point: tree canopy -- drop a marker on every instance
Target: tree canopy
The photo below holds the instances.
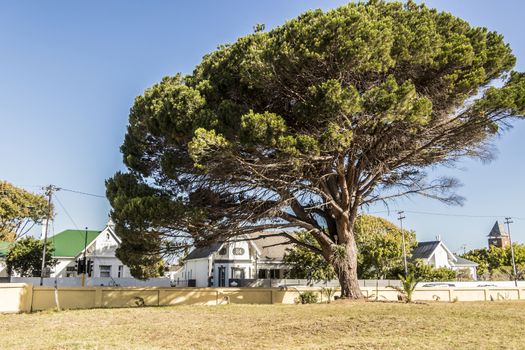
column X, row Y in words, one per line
column 25, row 257
column 301, row 126
column 20, row 210
column 495, row 263
column 306, row 264
column 379, row 245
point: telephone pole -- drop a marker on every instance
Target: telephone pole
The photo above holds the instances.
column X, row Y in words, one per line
column 400, row 218
column 508, row 221
column 49, row 190
column 84, row 258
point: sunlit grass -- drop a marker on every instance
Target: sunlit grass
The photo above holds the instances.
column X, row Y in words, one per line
column 496, row 325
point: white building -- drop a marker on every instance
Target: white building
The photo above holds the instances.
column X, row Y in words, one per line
column 234, row 262
column 100, row 253
column 436, row 253
column 69, row 250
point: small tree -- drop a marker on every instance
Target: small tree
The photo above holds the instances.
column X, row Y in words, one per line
column 408, row 285
column 25, row 257
column 20, row 210
column 425, row 272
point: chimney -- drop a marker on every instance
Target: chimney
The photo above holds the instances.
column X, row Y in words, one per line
column 111, row 224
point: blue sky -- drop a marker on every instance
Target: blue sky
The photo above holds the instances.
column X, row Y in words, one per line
column 69, row 72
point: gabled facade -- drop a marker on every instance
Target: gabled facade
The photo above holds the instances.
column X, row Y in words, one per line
column 69, row 248
column 437, row 254
column 233, row 262
column 100, row 253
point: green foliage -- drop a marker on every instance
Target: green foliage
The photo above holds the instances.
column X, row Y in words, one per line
column 139, row 213
column 380, row 247
column 424, row 272
column 306, row 264
column 380, row 252
column 25, row 257
column 408, row 285
column 496, row 263
column 307, row 297
column 19, row 211
column 300, row 126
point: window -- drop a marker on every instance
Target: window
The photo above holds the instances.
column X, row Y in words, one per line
column 238, row 251
column 71, row 271
column 237, row 273
column 120, row 271
column 105, row 270
column 262, row 273
column 222, row 251
column 275, row 273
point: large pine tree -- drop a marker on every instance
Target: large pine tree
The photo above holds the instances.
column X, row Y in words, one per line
column 301, row 126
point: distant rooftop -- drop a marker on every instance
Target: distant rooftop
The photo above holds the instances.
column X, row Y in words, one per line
column 424, row 249
column 464, row 262
column 70, row 243
column 272, row 247
column 204, row 252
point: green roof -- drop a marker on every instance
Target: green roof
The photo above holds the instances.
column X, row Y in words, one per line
column 4, row 248
column 71, row 242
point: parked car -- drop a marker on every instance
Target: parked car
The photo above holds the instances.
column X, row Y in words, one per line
column 486, row 285
column 438, row 285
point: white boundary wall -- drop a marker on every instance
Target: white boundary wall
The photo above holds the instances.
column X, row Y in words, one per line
column 95, row 282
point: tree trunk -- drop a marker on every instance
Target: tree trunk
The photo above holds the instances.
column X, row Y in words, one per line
column 346, row 269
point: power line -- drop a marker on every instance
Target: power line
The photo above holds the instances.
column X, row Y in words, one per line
column 67, row 213
column 58, row 188
column 83, row 193
column 450, row 215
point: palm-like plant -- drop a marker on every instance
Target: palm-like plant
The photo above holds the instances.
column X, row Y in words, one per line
column 408, row 285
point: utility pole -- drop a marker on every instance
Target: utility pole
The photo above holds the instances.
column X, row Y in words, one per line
column 84, row 258
column 508, row 221
column 49, row 190
column 400, row 218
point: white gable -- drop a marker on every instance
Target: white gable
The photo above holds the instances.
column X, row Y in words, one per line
column 104, row 244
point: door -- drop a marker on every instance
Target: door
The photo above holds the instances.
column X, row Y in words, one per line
column 222, row 276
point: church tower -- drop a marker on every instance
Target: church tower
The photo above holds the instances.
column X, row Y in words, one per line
column 498, row 237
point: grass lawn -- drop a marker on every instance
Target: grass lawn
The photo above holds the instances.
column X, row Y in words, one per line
column 362, row 325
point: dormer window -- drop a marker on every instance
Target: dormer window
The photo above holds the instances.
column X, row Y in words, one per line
column 222, row 251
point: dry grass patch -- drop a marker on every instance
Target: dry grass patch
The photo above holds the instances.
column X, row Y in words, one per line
column 370, row 325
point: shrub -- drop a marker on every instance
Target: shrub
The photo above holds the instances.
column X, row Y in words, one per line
column 307, row 297
column 328, row 292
